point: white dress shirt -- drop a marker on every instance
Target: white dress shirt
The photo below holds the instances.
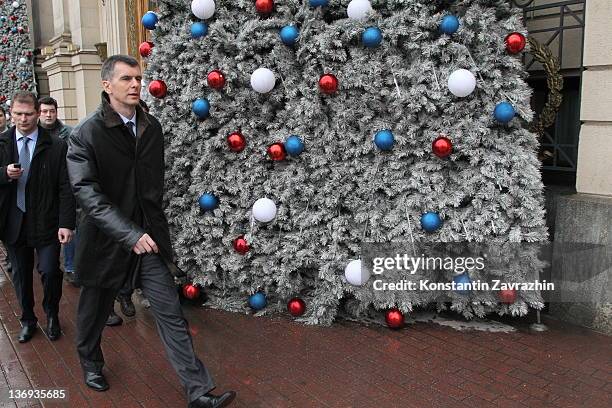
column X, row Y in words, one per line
column 31, row 144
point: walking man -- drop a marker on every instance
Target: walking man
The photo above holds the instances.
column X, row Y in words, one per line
column 48, row 120
column 37, row 210
column 116, row 167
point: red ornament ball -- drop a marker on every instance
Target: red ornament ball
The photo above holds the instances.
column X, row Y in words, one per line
column 507, row 296
column 236, row 142
column 2, row 58
column 296, row 307
column 2, row 98
column 264, row 6
column 190, row 291
column 241, row 245
column 158, row 88
column 20, row 30
column 13, row 18
column 442, row 147
column 394, row 318
column 216, row 79
column 145, row 49
column 276, row 151
column 328, row 84
column 515, row 43
column 5, row 39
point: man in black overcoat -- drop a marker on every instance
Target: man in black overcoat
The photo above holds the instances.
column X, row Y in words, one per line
column 116, row 167
column 37, row 210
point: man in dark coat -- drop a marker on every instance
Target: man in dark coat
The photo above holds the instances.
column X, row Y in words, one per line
column 37, row 210
column 49, row 120
column 116, row 167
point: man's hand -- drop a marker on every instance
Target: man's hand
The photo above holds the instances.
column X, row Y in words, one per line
column 13, row 172
column 145, row 245
column 64, row 235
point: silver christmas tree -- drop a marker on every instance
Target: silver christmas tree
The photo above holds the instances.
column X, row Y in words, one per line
column 367, row 173
column 16, row 54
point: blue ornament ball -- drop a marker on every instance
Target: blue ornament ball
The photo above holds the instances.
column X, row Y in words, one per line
column 149, row 20
column 14, row 30
column 384, row 140
column 257, row 301
column 201, row 107
column 208, row 201
column 289, row 34
column 461, row 282
column 449, row 24
column 431, row 221
column 504, row 112
column 199, row 29
column 319, row 3
column 371, row 37
column 294, row 145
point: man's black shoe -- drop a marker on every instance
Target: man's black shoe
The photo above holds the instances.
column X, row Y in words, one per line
column 113, row 319
column 54, row 331
column 213, row 401
column 127, row 306
column 96, row 381
column 26, row 333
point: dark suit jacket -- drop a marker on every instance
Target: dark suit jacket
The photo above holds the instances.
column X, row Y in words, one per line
column 50, row 204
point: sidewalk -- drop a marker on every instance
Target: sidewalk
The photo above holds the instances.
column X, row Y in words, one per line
column 273, row 362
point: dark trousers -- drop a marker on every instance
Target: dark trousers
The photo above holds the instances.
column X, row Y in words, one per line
column 126, row 290
column 22, row 261
column 158, row 286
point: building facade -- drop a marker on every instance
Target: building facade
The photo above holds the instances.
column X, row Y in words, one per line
column 72, row 37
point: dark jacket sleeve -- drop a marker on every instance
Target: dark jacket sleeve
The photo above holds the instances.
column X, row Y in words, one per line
column 4, row 178
column 4, row 159
column 67, row 216
column 86, row 186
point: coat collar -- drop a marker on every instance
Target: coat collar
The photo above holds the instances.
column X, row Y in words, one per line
column 57, row 125
column 112, row 119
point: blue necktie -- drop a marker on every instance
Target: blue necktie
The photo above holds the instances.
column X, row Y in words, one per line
column 24, row 160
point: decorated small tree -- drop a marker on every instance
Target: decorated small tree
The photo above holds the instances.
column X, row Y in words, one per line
column 16, row 56
column 298, row 130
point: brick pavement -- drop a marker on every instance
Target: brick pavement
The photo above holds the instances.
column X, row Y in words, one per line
column 273, row 362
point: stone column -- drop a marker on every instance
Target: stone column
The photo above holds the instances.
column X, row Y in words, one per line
column 113, row 26
column 86, row 63
column 594, row 174
column 582, row 250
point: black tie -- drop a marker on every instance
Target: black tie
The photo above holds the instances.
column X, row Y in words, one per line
column 130, row 126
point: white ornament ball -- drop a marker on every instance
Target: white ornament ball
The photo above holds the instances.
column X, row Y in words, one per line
column 461, row 83
column 355, row 274
column 264, row 210
column 358, row 9
column 263, row 80
column 15, row 4
column 22, row 60
column 203, row 9
column 8, row 102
